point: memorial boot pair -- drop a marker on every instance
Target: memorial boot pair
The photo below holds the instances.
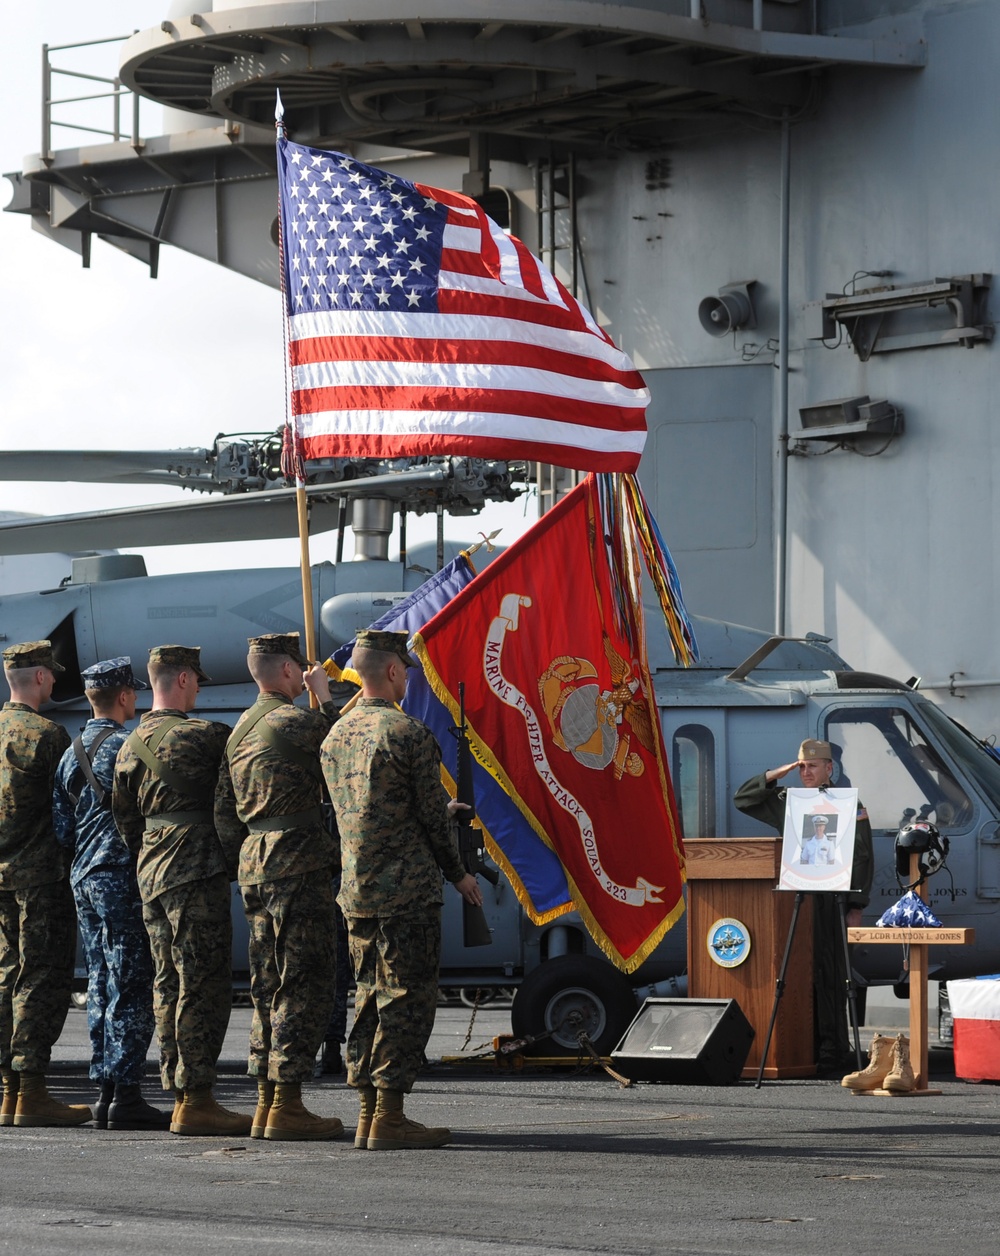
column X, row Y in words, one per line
column 37, row 1109
column 390, row 1130
column 888, row 1067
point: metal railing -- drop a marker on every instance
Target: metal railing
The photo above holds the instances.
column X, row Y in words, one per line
column 114, row 94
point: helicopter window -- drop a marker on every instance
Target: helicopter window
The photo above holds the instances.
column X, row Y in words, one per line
column 981, row 766
column 895, row 769
column 693, row 766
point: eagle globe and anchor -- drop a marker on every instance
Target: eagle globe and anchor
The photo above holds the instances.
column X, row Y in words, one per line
column 599, row 724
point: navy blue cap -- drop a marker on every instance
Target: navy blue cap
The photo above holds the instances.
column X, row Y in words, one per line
column 112, row 674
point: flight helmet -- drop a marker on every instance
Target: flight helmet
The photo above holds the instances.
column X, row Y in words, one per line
column 922, row 837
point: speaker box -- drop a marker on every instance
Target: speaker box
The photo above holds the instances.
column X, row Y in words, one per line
column 685, row 1041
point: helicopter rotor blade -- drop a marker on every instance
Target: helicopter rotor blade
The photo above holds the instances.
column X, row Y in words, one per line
column 260, row 516
column 109, row 466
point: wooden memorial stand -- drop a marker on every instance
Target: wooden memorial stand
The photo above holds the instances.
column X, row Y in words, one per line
column 919, row 941
column 734, row 878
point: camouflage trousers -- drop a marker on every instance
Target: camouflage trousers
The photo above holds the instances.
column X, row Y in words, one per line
column 120, row 968
column 293, row 946
column 191, row 936
column 395, row 962
column 37, row 947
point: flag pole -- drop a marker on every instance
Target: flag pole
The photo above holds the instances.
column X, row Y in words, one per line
column 292, row 463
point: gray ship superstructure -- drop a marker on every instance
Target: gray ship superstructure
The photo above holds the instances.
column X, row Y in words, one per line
column 783, row 211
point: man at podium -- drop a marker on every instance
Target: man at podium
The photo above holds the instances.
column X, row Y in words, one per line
column 761, row 798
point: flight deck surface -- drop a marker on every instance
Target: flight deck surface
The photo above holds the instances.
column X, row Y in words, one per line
column 541, row 1163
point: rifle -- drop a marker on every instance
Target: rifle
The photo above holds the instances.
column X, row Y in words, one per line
column 475, row 930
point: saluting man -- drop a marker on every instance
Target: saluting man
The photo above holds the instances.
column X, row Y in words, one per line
column 165, row 781
column 762, row 798
column 108, row 907
column 271, row 789
column 37, row 920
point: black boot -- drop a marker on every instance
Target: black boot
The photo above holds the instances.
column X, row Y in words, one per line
column 100, row 1108
column 332, row 1062
column 129, row 1111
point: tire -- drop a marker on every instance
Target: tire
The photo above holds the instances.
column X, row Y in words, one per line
column 486, row 994
column 569, row 995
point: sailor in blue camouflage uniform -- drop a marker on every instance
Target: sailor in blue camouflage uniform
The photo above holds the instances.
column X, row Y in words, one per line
column 108, row 907
column 37, row 920
column 271, row 786
column 383, row 770
column 165, row 781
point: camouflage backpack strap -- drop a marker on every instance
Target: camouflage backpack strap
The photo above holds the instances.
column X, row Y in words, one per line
column 146, row 751
column 280, row 745
column 85, row 758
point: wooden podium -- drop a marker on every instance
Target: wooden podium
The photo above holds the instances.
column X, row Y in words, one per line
column 733, row 878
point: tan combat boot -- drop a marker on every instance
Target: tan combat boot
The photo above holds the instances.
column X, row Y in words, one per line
column 873, row 1075
column 37, row 1108
column 200, row 1114
column 900, row 1079
column 367, row 1098
column 392, row 1131
column 290, row 1121
column 11, row 1084
column 265, row 1097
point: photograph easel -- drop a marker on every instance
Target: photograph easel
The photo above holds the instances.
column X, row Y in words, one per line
column 852, row 1000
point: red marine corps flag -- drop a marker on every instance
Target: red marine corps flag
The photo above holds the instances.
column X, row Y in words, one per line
column 549, row 642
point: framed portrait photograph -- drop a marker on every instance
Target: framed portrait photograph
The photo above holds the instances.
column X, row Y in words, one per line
column 817, row 849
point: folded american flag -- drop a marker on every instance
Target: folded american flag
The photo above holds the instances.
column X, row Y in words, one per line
column 417, row 326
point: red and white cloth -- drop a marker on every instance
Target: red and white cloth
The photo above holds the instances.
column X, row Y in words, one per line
column 975, row 1010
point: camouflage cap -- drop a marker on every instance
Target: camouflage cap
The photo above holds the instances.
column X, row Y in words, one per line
column 31, row 654
column 188, row 656
column 811, row 749
column 112, row 674
column 386, row 642
column 279, row 643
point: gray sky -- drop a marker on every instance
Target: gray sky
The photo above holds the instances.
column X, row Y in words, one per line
column 107, row 358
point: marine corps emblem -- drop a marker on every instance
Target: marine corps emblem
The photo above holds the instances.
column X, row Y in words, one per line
column 593, row 722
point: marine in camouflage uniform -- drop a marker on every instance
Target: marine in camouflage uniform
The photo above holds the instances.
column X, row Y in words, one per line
column 761, row 798
column 37, row 920
column 109, row 910
column 271, row 788
column 383, row 770
column 183, row 872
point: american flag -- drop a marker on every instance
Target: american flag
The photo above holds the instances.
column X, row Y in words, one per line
column 417, row 326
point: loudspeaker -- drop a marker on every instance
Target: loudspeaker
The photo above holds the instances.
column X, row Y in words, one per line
column 685, row 1041
column 731, row 310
